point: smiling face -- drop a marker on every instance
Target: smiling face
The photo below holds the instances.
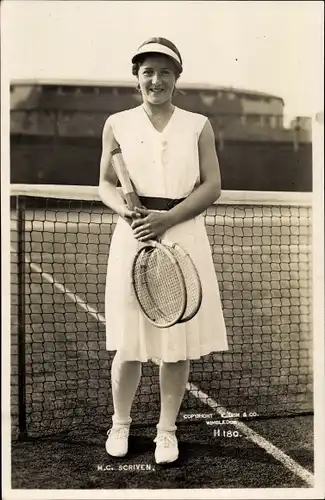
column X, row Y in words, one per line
column 157, row 79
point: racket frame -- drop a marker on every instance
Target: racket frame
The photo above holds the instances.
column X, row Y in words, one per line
column 178, row 248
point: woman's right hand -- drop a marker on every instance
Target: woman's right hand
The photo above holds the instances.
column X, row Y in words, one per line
column 128, row 215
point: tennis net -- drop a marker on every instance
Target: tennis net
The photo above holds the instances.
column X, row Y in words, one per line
column 60, row 238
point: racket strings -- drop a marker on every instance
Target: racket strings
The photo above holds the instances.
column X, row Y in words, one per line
column 159, row 286
column 155, row 289
column 164, row 283
column 140, row 284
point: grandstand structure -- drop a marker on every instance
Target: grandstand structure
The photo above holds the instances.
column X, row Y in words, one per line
column 56, row 132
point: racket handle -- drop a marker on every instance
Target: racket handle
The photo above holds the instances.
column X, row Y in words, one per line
column 131, row 197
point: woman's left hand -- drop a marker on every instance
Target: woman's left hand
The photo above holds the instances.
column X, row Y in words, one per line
column 151, row 224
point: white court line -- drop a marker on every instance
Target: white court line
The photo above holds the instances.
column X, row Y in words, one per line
column 270, row 448
column 64, row 289
column 256, row 438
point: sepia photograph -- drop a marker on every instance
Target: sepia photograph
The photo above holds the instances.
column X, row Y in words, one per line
column 162, row 249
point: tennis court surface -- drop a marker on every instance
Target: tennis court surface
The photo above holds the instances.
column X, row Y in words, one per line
column 247, row 417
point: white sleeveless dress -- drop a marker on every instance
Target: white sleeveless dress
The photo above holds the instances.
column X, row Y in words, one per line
column 161, row 164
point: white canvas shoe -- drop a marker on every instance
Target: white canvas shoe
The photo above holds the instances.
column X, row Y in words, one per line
column 166, row 448
column 117, row 441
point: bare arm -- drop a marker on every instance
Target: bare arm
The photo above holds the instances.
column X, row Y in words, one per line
column 108, row 192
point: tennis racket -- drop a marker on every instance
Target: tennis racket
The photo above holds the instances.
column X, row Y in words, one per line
column 159, row 284
column 164, row 278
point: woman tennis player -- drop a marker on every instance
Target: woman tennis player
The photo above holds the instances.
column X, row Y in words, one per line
column 171, row 159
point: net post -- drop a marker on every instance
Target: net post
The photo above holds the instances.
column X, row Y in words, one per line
column 20, row 211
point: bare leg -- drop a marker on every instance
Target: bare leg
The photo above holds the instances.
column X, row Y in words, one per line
column 125, row 380
column 173, row 379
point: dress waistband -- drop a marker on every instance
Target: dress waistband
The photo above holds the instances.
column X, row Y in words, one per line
column 152, row 203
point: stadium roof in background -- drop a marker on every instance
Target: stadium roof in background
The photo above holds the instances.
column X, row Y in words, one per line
column 124, row 83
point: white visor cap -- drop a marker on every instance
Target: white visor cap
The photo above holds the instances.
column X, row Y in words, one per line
column 160, row 49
